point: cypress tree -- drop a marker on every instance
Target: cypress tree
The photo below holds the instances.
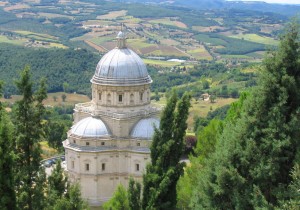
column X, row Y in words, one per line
column 7, row 192
column 57, row 181
column 72, row 200
column 162, row 174
column 119, row 201
column 57, row 185
column 134, row 195
column 29, row 131
column 255, row 155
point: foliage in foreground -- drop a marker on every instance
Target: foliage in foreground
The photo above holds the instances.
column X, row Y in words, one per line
column 23, row 183
column 162, row 174
column 7, row 187
column 258, row 151
column 29, row 131
column 119, row 201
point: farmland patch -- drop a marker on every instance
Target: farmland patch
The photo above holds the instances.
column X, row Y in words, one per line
column 16, row 41
column 208, row 29
column 256, row 38
column 169, row 21
column 112, row 15
column 200, row 53
column 16, row 7
column 53, row 15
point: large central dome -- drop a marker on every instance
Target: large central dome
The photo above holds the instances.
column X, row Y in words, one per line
column 121, row 67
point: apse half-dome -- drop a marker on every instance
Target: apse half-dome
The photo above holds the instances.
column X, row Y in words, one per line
column 145, row 128
column 121, row 67
column 90, row 127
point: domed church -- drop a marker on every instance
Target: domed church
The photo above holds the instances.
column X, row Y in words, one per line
column 110, row 139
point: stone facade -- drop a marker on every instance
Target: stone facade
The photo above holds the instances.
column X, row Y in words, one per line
column 111, row 136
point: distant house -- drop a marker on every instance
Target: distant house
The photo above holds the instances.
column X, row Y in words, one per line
column 205, row 96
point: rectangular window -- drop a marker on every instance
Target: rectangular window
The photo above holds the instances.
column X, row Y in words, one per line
column 141, row 96
column 87, row 143
column 100, row 94
column 138, row 144
column 72, row 164
column 137, row 167
column 103, row 166
column 87, row 167
column 102, row 143
column 74, row 141
column 120, row 98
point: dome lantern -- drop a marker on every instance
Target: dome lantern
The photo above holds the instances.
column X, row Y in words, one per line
column 121, row 40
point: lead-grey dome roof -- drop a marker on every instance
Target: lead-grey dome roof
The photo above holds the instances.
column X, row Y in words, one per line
column 90, row 127
column 145, row 128
column 121, row 67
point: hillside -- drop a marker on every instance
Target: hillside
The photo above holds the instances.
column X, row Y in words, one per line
column 217, row 30
column 63, row 41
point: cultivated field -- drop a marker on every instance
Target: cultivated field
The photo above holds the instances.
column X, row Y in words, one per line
column 199, row 108
column 37, row 36
column 16, row 41
column 257, row 38
column 160, row 63
column 200, row 53
column 112, row 15
column 70, row 100
column 16, row 7
column 168, row 21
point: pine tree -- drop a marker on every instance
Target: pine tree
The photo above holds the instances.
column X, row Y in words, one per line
column 134, row 195
column 162, row 174
column 255, row 155
column 291, row 199
column 29, row 131
column 7, row 193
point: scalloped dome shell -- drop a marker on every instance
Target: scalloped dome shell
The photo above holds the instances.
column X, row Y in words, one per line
column 121, row 67
column 145, row 128
column 90, row 127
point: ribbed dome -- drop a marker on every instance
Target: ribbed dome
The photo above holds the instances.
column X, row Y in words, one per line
column 145, row 128
column 90, row 127
column 121, row 67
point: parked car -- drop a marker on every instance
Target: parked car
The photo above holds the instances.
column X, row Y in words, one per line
column 62, row 158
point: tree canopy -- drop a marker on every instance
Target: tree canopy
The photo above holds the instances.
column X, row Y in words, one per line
column 162, row 174
column 256, row 154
